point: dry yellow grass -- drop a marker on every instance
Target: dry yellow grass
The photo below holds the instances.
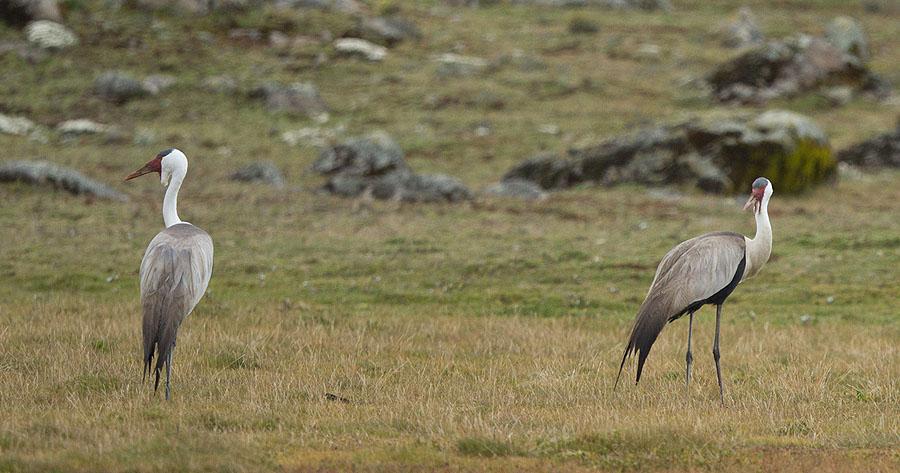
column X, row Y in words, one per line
column 494, row 351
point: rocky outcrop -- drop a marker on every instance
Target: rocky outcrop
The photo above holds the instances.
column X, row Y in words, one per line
column 796, row 65
column 375, row 165
column 43, row 173
column 877, row 152
column 713, row 153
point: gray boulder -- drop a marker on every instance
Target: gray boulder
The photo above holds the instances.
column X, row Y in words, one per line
column 715, row 153
column 118, row 87
column 48, row 174
column 847, row 35
column 375, row 165
column 264, row 172
column 22, row 12
column 299, row 98
column 373, row 155
column 877, row 152
column 787, row 68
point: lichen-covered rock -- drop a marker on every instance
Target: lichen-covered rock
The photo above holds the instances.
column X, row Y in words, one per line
column 375, row 165
column 787, row 68
column 118, row 87
column 50, row 35
column 715, row 153
column 360, row 48
column 877, row 152
column 299, row 98
column 15, row 125
column 82, row 126
column 49, row 174
column 265, row 172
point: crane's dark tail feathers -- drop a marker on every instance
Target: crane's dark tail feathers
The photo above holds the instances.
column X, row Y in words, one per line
column 648, row 324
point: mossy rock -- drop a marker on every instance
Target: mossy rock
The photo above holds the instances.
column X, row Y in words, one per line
column 788, row 148
column 792, row 170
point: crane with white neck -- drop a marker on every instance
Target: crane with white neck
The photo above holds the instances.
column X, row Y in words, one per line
column 175, row 270
column 702, row 270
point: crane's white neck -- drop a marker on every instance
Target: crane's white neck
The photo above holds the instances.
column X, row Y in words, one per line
column 760, row 247
column 174, row 170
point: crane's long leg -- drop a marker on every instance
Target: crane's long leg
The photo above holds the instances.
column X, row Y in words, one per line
column 689, row 359
column 716, row 353
column 169, row 371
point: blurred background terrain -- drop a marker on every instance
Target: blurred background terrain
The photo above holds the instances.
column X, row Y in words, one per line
column 446, row 214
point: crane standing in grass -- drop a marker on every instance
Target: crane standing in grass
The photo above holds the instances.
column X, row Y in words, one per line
column 175, row 270
column 702, row 270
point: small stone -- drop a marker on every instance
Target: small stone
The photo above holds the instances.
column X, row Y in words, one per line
column 838, row 96
column 387, row 31
column 806, row 319
column 829, row 300
column 82, row 126
column 313, row 136
column 548, row 129
column 360, row 48
column 15, row 125
column 265, row 172
column 118, row 87
column 299, row 98
column 50, row 35
column 157, row 83
column 455, row 65
column 581, row 25
column 222, row 84
column 648, row 52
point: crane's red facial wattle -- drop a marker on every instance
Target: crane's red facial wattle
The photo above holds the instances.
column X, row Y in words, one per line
column 756, row 197
column 155, row 165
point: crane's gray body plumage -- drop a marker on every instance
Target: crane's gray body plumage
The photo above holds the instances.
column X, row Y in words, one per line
column 175, row 272
column 702, row 270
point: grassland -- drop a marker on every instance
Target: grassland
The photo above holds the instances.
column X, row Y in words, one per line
column 482, row 336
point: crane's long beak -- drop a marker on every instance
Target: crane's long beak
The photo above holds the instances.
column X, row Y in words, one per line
column 753, row 203
column 148, row 168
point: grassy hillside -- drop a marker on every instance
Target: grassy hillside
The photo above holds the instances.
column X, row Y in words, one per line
column 480, row 336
